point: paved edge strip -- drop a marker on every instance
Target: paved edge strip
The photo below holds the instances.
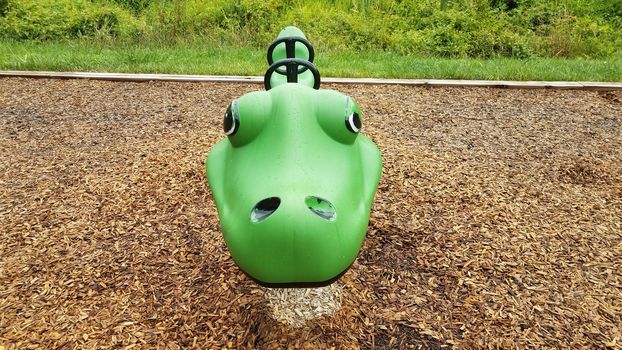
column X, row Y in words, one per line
column 508, row 84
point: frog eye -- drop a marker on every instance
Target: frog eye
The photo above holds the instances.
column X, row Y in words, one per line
column 231, row 122
column 335, row 110
column 353, row 122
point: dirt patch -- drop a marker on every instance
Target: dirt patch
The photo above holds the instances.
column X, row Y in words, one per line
column 497, row 223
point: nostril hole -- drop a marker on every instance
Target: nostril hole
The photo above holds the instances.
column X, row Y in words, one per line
column 321, row 207
column 265, row 208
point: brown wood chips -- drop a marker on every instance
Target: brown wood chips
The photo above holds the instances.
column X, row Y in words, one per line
column 497, row 223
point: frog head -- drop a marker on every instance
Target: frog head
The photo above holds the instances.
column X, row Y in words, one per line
column 294, row 182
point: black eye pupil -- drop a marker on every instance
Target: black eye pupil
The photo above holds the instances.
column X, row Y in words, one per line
column 353, row 122
column 230, row 123
column 357, row 120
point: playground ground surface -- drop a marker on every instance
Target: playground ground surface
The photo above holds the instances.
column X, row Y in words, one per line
column 497, row 222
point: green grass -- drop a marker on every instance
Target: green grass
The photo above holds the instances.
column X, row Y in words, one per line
column 183, row 58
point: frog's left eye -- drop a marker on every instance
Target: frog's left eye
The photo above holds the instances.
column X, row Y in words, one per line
column 353, row 122
column 231, row 123
column 339, row 116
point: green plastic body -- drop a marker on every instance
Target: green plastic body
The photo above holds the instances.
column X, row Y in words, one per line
column 292, row 143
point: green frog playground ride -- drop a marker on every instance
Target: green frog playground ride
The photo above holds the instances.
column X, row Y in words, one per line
column 294, row 180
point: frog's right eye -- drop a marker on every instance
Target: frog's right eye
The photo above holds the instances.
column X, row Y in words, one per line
column 231, row 123
column 246, row 117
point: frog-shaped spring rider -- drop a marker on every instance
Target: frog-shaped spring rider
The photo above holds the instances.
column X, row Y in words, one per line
column 294, row 180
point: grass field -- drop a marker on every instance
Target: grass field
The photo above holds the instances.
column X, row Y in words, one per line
column 84, row 55
column 475, row 39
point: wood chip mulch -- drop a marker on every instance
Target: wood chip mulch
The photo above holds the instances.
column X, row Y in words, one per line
column 497, row 223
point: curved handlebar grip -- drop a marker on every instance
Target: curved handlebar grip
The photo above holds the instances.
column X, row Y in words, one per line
column 292, row 66
column 290, row 50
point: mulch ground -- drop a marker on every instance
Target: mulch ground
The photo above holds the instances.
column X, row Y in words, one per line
column 497, row 223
